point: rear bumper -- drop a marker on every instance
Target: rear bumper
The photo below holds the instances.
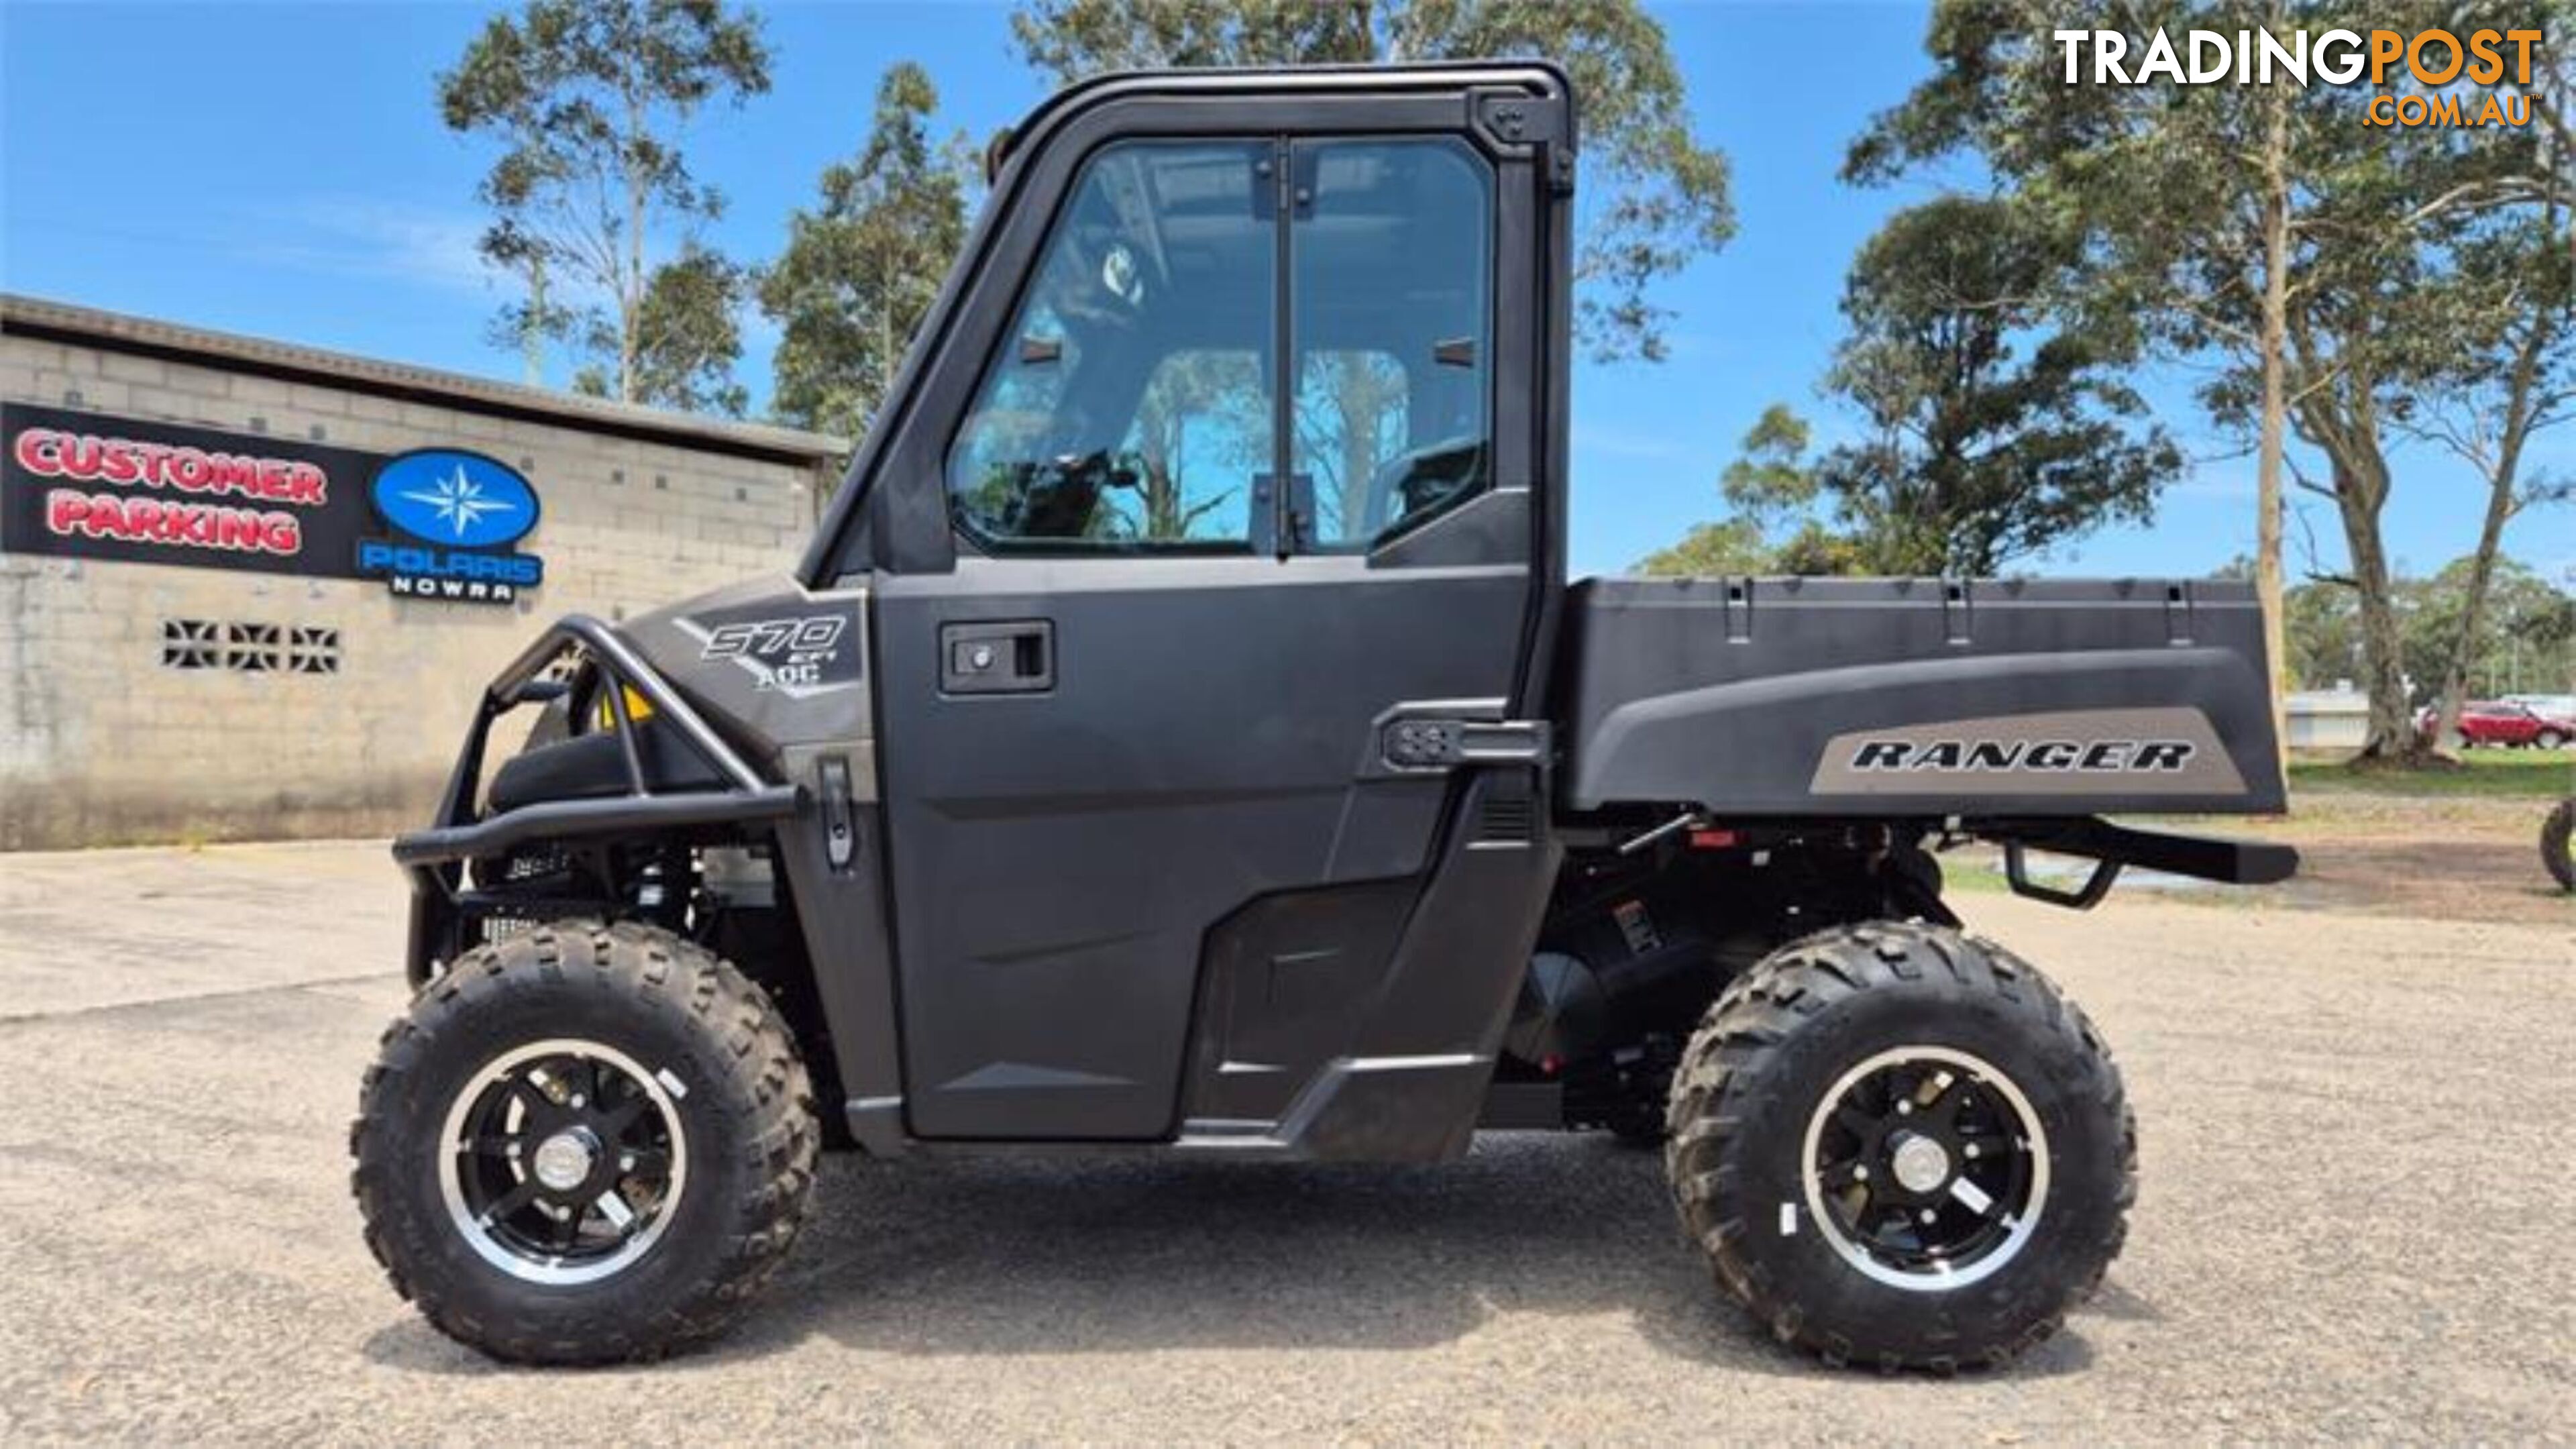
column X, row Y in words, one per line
column 2112, row 848
column 2229, row 862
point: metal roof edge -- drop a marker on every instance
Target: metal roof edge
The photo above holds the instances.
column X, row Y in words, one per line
column 123, row 332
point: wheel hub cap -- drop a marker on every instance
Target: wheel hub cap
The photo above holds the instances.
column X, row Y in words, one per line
column 1926, row 1168
column 563, row 1161
column 1920, row 1164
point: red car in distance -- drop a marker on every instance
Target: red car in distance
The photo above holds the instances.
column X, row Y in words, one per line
column 2494, row 722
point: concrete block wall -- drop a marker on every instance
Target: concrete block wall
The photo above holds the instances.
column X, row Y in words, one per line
column 102, row 744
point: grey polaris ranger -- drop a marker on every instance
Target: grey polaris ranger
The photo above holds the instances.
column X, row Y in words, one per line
column 1181, row 737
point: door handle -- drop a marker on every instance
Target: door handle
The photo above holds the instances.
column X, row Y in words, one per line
column 1015, row 656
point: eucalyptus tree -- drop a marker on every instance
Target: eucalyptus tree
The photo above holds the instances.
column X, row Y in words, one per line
column 1655, row 199
column 592, row 197
column 2266, row 225
column 861, row 269
column 1990, row 431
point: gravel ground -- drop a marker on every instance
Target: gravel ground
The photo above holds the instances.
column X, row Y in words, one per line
column 2352, row 1224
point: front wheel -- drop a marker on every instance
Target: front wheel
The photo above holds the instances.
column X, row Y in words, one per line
column 2550, row 740
column 584, row 1144
column 1901, row 1146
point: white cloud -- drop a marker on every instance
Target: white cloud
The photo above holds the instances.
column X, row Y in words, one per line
column 1606, row 441
column 2209, row 481
column 367, row 237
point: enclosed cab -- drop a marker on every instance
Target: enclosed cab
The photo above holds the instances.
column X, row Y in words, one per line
column 1181, row 738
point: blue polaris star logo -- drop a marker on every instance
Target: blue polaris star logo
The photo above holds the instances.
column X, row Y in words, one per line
column 451, row 517
column 455, row 499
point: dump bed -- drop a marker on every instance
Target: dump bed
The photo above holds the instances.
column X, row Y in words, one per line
column 1878, row 697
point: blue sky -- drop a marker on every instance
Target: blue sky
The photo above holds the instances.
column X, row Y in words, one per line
column 279, row 169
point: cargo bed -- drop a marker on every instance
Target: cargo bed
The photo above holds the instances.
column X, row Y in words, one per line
column 1919, row 697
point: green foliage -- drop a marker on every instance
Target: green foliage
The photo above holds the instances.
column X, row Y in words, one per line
column 2181, row 199
column 861, row 270
column 2522, row 642
column 2322, row 627
column 2525, row 639
column 1770, row 475
column 1741, row 546
column 1986, row 437
column 1662, row 198
column 588, row 98
column 687, row 335
column 1713, row 550
column 2496, row 774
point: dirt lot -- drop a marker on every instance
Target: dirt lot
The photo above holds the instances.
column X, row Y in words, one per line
column 2464, row 859
column 2355, row 1204
column 2476, row 859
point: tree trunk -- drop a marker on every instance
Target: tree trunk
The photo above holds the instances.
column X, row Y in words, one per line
column 630, row 319
column 2500, row 492
column 2525, row 403
column 532, row 328
column 631, row 307
column 2361, row 489
column 1356, row 399
column 2268, row 590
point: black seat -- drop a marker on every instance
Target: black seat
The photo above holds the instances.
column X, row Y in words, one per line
column 593, row 767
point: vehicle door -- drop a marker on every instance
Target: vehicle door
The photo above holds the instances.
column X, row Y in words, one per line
column 1229, row 501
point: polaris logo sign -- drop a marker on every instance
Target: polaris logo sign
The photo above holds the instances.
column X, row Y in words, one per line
column 2022, row 755
column 453, row 516
column 2114, row 754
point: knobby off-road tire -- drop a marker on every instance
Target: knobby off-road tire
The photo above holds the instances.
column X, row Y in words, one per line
column 1816, row 1068
column 2558, row 844
column 688, row 1076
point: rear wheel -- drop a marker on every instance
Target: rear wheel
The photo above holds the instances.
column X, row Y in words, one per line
column 2558, row 844
column 1900, row 1146
column 584, row 1144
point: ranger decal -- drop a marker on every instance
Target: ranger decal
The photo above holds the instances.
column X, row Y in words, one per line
column 2022, row 755
column 2111, row 753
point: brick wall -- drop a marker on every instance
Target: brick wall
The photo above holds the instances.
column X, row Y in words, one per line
column 102, row 743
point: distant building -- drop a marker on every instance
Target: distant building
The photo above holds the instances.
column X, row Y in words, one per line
column 252, row 589
column 2328, row 719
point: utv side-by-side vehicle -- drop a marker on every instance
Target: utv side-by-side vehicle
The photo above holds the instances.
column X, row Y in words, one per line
column 1181, row 738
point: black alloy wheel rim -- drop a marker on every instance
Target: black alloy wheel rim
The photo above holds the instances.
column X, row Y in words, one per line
column 562, row 1161
column 1926, row 1168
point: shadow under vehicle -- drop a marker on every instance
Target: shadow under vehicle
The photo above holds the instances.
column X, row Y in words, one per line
column 1182, row 738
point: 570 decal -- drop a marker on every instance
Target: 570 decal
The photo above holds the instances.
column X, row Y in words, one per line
column 796, row 654
column 768, row 638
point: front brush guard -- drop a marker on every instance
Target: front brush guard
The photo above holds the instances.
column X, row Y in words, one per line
column 435, row 858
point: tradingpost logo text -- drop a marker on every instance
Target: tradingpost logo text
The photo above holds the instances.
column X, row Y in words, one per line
column 2498, row 64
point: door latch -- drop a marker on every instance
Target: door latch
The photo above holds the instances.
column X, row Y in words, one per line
column 1413, row 744
column 840, row 824
column 1012, row 657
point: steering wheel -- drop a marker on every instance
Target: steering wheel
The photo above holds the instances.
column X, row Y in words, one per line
column 1063, row 493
